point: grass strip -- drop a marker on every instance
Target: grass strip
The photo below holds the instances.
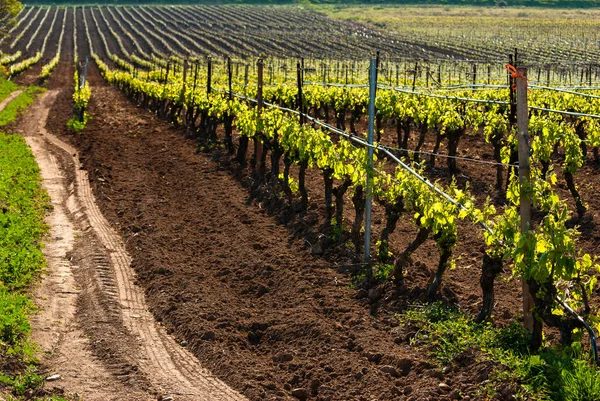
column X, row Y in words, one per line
column 454, row 341
column 23, row 206
column 6, row 88
column 18, row 105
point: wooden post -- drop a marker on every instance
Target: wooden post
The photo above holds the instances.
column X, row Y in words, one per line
column 525, row 201
column 183, row 87
column 369, row 194
column 246, row 67
column 167, row 73
column 415, row 76
column 346, row 68
column 489, row 74
column 570, row 76
column 230, row 76
column 474, row 75
column 258, row 145
column 454, row 71
column 259, row 91
column 208, row 75
column 196, row 75
column 513, row 108
column 300, row 102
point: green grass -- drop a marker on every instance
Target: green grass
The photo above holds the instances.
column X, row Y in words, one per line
column 76, row 124
column 23, row 205
column 22, row 208
column 6, row 88
column 18, row 105
column 528, row 4
column 557, row 373
column 493, row 29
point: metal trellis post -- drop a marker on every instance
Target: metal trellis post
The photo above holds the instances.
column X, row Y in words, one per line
column 369, row 189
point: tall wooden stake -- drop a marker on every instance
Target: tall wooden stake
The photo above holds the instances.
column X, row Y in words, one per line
column 209, row 76
column 183, row 87
column 513, row 109
column 230, row 77
column 415, row 76
column 196, row 76
column 258, row 145
column 525, row 206
column 369, row 192
column 300, row 100
column 246, row 67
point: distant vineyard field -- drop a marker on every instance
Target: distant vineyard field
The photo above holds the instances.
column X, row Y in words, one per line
column 487, row 3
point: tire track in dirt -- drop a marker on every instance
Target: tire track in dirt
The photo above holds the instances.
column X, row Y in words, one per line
column 55, row 329
column 169, row 368
column 10, row 98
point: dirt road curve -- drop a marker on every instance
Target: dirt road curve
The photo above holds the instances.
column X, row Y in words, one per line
column 89, row 285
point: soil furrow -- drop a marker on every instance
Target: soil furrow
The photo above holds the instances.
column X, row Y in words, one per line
column 151, row 350
column 233, row 286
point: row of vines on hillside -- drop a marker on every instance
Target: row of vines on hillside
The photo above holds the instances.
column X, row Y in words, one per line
column 282, row 138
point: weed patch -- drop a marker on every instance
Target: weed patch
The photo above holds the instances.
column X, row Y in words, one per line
column 554, row 373
column 23, row 205
column 18, row 105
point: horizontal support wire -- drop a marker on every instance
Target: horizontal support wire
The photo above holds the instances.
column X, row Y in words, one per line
column 463, row 99
column 569, row 113
column 363, row 142
column 550, row 88
column 423, row 179
column 421, row 152
column 336, row 84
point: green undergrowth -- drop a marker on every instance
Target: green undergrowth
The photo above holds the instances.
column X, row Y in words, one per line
column 451, row 339
column 6, row 88
column 19, row 104
column 23, row 205
column 76, row 124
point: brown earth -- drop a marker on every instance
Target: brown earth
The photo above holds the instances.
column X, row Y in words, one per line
column 93, row 326
column 234, row 279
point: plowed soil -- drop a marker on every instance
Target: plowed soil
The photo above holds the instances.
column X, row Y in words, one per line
column 240, row 281
column 238, row 287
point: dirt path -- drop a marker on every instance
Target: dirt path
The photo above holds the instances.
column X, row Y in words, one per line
column 245, row 296
column 89, row 286
column 229, row 277
column 9, row 99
